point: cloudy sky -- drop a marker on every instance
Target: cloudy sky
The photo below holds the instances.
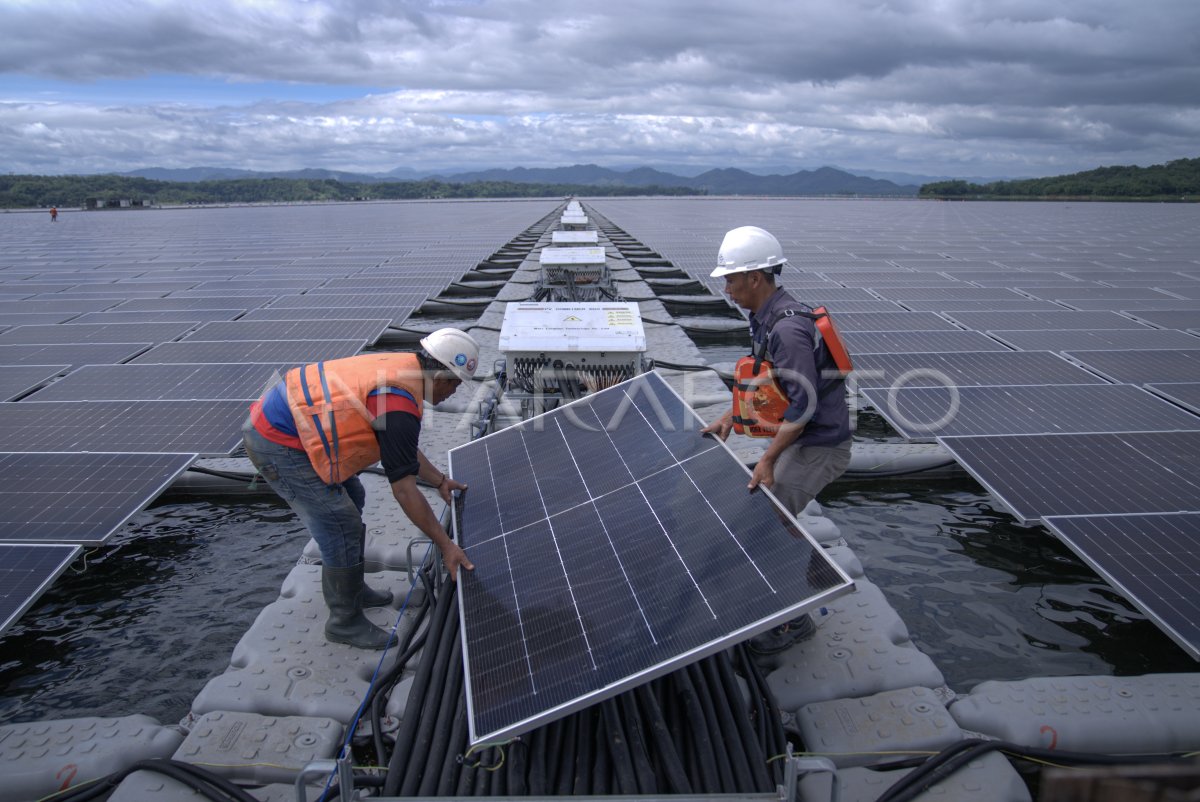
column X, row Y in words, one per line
column 932, row 87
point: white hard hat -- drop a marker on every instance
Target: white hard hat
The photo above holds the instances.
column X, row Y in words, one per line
column 748, row 248
column 455, row 349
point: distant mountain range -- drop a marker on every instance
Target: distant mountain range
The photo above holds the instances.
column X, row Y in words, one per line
column 727, row 181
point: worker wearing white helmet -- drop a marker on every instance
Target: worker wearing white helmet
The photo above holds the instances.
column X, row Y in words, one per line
column 312, row 433
column 798, row 400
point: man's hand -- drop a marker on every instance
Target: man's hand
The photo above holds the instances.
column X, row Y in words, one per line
column 764, row 474
column 446, row 489
column 721, row 427
column 453, row 556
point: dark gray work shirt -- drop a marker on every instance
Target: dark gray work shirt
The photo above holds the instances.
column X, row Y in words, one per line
column 801, row 363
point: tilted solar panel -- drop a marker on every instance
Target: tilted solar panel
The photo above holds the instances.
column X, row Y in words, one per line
column 967, row 368
column 208, row 428
column 26, row 571
column 1035, row 476
column 1142, row 367
column 177, row 381
column 78, row 497
column 289, row 352
column 1152, row 560
column 922, row 413
column 1096, row 339
column 638, row 550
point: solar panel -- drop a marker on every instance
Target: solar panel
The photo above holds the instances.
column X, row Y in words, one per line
column 342, row 329
column 208, row 428
column 639, row 551
column 1130, row 306
column 34, row 318
column 1142, row 367
column 17, row 380
column 892, row 321
column 26, row 571
column 961, row 293
column 158, row 316
column 966, row 368
column 1062, row 319
column 1152, row 560
column 1030, row 304
column 79, row 497
column 394, row 314
column 1171, row 319
column 96, row 333
column 192, row 302
column 913, row 342
column 1034, row 476
column 82, row 354
column 319, row 299
column 1097, row 339
column 922, row 413
column 1098, row 293
column 289, row 352
column 1186, row 394
column 182, row 382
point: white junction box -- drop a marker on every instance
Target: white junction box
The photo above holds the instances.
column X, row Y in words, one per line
column 574, row 238
column 585, row 265
column 571, row 348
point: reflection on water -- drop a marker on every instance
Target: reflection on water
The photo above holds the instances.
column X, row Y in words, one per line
column 149, row 618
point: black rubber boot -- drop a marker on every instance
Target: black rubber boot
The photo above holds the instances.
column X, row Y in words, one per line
column 371, row 596
column 343, row 590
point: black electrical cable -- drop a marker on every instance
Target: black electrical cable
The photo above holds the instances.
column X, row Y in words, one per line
column 431, row 698
column 756, row 758
column 454, row 750
column 635, row 736
column 400, row 758
column 743, row 776
column 585, row 745
column 669, row 764
column 724, row 767
column 564, row 773
column 602, row 780
column 432, row 774
column 233, row 475
column 709, row 779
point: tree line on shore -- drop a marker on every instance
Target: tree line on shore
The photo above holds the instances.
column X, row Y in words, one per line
column 37, row 191
column 1175, row 180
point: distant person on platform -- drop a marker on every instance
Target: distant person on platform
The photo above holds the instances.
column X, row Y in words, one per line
column 810, row 443
column 53, row 214
column 312, row 433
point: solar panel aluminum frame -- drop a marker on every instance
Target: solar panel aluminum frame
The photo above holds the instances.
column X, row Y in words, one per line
column 67, row 552
column 661, row 668
column 1055, row 524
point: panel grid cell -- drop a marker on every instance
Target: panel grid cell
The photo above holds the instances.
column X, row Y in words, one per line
column 178, row 381
column 914, row 342
column 1096, row 339
column 967, row 368
column 289, row 352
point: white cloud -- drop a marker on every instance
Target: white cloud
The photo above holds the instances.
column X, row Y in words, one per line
column 952, row 86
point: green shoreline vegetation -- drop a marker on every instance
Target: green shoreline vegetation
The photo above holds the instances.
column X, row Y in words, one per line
column 1174, row 181
column 1177, row 180
column 38, row 191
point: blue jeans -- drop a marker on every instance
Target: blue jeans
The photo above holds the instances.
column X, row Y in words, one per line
column 332, row 513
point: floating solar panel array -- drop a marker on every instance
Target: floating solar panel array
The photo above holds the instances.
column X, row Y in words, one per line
column 1068, row 377
column 132, row 343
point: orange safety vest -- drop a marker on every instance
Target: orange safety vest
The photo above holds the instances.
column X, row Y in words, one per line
column 329, row 404
column 758, row 399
